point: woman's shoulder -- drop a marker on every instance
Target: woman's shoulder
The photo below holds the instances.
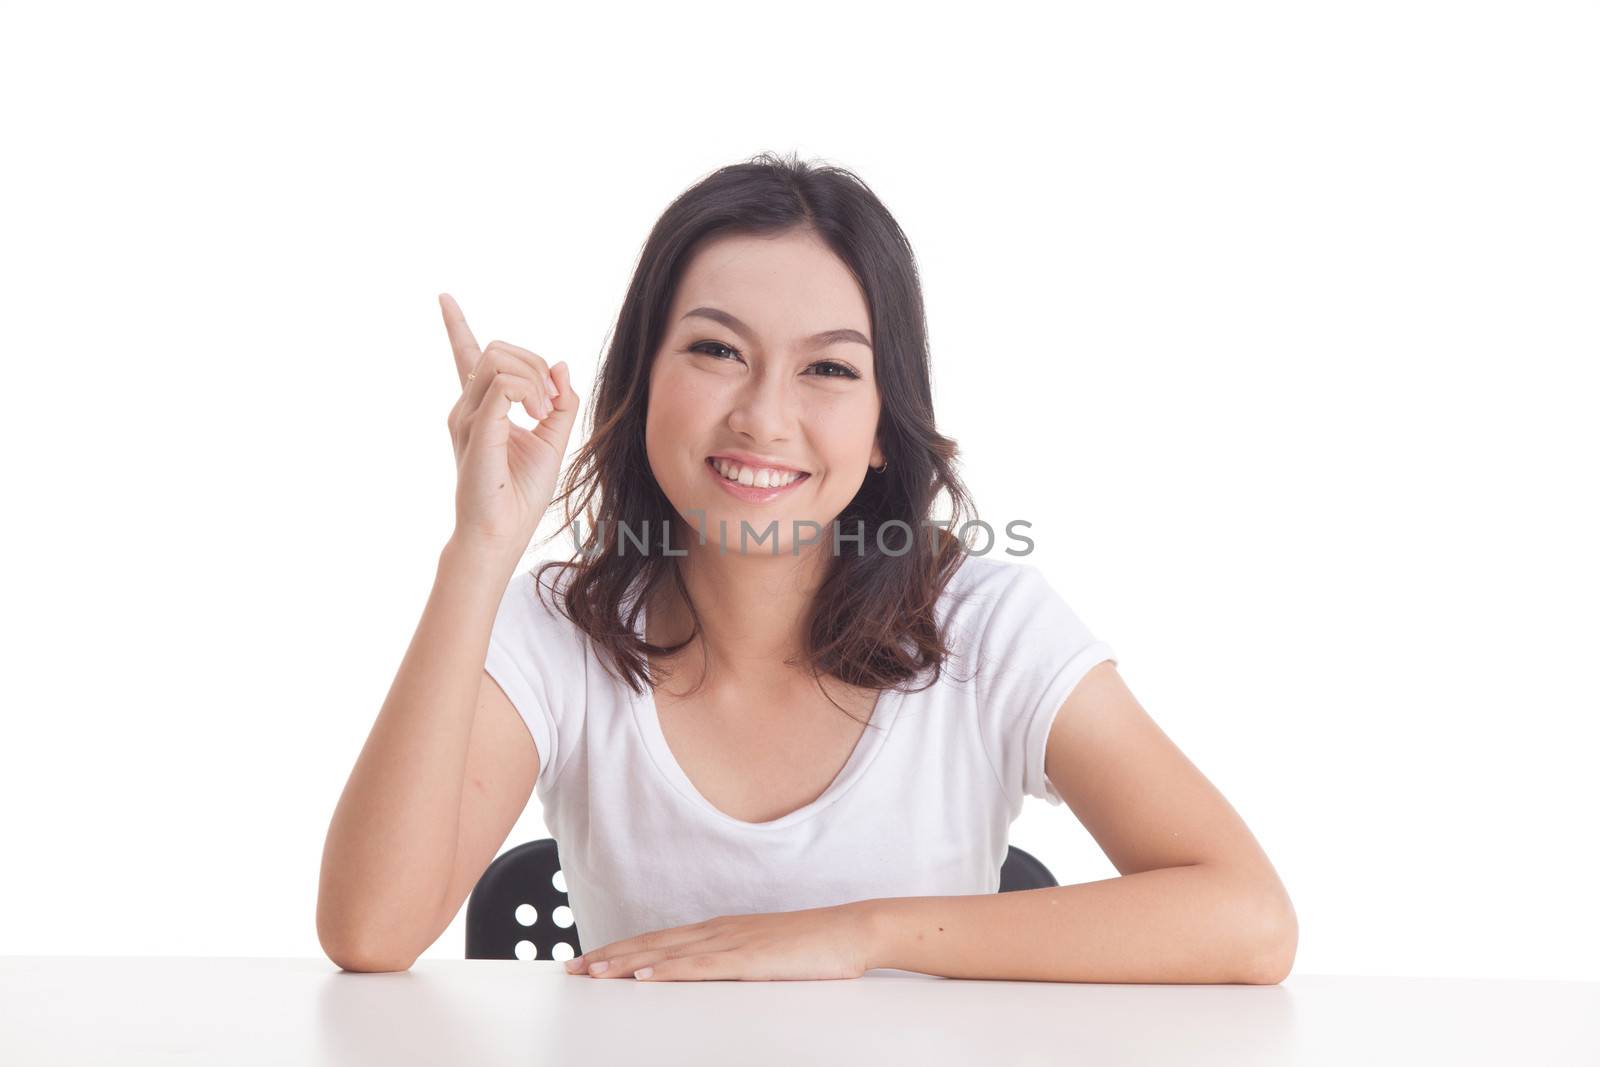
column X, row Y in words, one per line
column 979, row 583
column 997, row 601
column 533, row 608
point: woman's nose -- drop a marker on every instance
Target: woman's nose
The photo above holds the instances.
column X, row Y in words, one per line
column 764, row 408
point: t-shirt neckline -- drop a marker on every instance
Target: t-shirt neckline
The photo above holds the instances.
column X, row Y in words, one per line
column 648, row 719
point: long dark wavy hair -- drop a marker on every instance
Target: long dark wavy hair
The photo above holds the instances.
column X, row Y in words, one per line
column 872, row 620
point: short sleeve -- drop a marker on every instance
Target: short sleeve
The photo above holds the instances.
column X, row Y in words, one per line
column 538, row 658
column 1032, row 652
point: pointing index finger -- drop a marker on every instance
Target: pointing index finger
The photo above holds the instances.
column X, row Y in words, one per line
column 462, row 343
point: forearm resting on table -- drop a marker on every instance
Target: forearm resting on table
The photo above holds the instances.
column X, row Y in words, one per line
column 1193, row 924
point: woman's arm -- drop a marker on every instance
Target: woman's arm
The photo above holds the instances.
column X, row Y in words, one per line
column 394, row 867
column 390, row 850
column 1179, row 924
column 1198, row 900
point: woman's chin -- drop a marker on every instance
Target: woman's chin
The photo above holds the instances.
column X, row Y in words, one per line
column 755, row 530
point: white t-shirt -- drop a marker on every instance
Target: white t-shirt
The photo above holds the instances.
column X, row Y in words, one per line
column 921, row 808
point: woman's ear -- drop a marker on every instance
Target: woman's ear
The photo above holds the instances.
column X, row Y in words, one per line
column 876, row 459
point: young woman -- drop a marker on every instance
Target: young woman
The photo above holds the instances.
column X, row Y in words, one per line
column 778, row 718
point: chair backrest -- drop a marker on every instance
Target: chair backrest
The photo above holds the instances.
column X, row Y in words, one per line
column 519, row 909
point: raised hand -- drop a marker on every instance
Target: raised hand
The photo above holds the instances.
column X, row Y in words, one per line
column 505, row 475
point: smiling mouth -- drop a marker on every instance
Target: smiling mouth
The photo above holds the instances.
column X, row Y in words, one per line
column 754, row 477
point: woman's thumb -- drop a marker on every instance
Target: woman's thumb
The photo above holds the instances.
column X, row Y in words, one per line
column 563, row 407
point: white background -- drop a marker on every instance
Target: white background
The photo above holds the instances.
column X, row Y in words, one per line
column 1276, row 320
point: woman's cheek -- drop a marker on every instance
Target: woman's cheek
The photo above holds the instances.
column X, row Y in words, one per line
column 842, row 423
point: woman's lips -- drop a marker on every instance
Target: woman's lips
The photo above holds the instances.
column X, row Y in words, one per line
column 752, row 494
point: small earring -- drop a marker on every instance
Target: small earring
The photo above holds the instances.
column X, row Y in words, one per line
column 883, row 468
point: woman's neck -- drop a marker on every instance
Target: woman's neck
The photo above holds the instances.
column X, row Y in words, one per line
column 752, row 609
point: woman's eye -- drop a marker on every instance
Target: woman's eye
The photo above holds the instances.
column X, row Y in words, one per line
column 703, row 345
column 839, row 370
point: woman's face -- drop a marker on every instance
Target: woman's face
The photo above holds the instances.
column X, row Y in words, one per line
column 765, row 369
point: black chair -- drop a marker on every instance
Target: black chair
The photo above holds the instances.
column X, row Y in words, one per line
column 526, row 875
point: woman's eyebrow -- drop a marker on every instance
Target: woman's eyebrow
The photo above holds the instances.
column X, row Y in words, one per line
column 826, row 337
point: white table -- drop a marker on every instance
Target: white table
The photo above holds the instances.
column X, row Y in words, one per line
column 131, row 1010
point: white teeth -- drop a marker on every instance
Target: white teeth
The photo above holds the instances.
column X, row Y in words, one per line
column 755, row 477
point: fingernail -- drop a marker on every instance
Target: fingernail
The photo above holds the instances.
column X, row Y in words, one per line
column 644, row 972
column 599, row 968
column 575, row 965
column 550, row 387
